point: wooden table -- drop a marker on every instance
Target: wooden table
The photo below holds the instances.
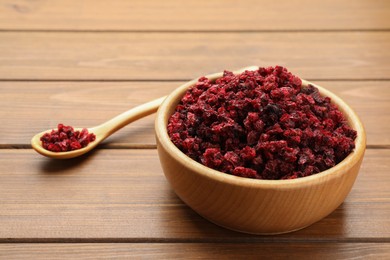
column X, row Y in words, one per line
column 83, row 62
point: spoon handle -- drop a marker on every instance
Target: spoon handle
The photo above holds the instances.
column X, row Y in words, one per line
column 111, row 126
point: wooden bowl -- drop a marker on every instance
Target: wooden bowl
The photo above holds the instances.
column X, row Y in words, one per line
column 251, row 205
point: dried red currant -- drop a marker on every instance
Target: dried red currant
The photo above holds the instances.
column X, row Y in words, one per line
column 65, row 138
column 260, row 124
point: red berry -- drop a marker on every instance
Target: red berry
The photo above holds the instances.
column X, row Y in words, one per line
column 66, row 139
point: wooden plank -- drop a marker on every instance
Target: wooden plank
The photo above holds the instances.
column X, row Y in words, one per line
column 198, row 251
column 194, row 15
column 130, row 56
column 27, row 108
column 122, row 196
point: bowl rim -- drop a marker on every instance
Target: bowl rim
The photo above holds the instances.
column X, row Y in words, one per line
column 350, row 161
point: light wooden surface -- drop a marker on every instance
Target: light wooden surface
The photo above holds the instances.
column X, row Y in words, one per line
column 198, row 250
column 83, row 62
column 208, row 15
column 184, row 56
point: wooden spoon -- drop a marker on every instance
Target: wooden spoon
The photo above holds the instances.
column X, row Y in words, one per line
column 101, row 131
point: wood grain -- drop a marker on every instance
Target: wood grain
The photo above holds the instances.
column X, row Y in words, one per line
column 122, row 196
column 197, row 251
column 194, row 15
column 167, row 56
column 118, row 198
column 27, row 108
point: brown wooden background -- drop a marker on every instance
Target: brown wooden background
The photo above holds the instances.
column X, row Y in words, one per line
column 83, row 62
